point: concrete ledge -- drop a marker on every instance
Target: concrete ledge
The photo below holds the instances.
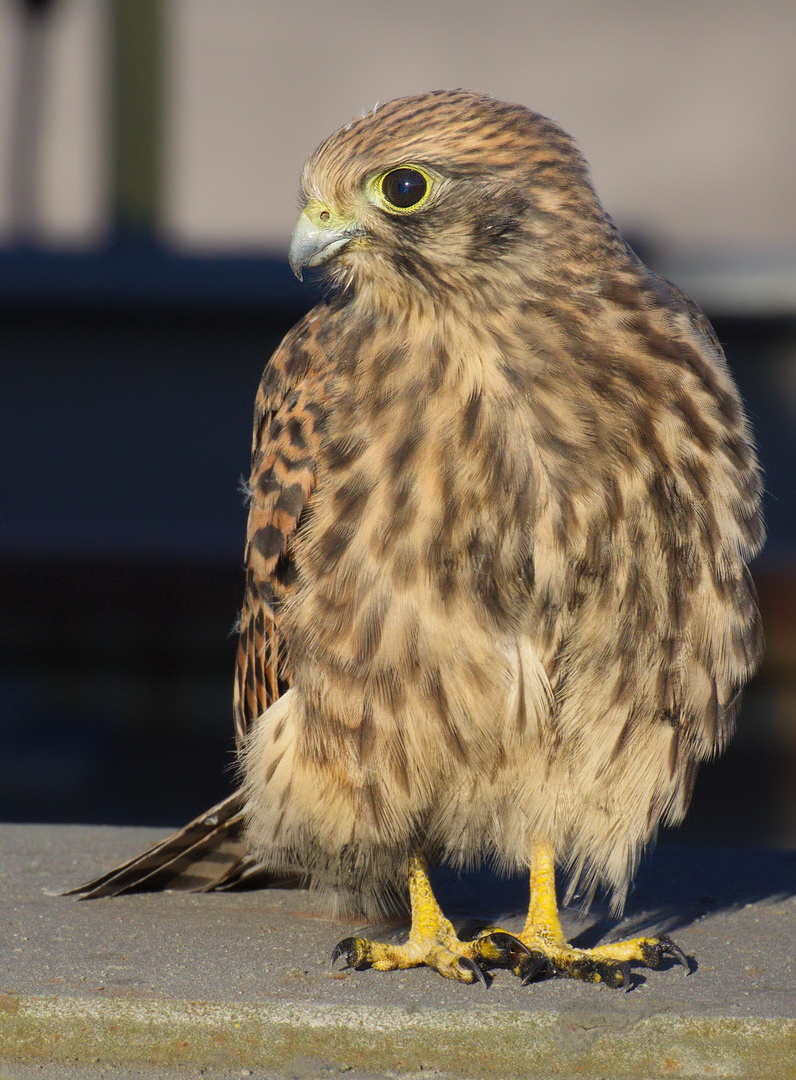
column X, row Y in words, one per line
column 486, row 1043
column 241, row 981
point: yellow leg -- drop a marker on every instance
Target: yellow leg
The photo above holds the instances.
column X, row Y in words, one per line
column 542, row 934
column 432, row 939
column 543, row 922
column 541, row 948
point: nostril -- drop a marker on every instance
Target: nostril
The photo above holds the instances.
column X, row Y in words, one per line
column 324, row 215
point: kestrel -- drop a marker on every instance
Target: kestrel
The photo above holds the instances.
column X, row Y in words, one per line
column 503, row 495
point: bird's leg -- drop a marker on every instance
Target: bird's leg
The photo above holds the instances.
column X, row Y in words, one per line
column 432, row 940
column 542, row 934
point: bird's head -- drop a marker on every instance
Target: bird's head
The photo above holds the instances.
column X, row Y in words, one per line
column 446, row 191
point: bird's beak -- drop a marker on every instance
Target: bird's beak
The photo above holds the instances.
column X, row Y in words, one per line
column 316, row 238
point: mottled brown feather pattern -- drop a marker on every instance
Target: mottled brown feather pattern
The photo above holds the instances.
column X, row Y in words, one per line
column 518, row 604
column 503, row 495
column 289, row 417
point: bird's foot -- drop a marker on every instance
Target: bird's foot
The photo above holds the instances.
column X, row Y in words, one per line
column 441, row 951
column 609, row 964
column 432, row 941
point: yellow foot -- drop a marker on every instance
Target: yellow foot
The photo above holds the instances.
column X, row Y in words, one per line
column 433, row 942
column 443, row 953
column 541, row 949
column 465, row 961
column 609, row 964
column 543, row 937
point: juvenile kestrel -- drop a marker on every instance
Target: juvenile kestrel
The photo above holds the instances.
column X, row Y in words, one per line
column 503, row 495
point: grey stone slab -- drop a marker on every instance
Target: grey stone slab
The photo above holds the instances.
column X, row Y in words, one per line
column 242, row 980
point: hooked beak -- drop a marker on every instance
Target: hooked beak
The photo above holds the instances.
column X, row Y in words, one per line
column 315, row 241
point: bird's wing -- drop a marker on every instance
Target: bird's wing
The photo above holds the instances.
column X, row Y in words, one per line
column 210, row 851
column 289, row 417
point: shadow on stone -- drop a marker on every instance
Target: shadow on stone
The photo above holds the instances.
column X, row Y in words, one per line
column 674, row 887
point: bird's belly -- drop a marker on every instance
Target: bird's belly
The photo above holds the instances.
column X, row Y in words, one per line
column 405, row 628
column 412, row 719
column 397, row 679
column 403, row 677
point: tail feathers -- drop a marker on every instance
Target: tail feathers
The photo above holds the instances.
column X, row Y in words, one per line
column 208, row 853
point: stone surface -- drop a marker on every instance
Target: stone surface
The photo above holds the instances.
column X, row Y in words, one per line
column 177, row 982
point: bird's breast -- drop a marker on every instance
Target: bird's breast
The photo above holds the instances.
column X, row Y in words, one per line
column 416, row 558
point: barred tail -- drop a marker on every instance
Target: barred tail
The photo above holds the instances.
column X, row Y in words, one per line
column 206, row 854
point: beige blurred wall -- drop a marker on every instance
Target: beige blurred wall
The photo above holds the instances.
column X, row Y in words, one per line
column 70, row 196
column 686, row 109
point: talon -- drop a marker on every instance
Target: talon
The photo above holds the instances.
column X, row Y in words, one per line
column 501, row 949
column 530, row 966
column 346, row 948
column 668, row 948
column 470, row 965
column 473, row 931
column 338, row 951
column 501, row 937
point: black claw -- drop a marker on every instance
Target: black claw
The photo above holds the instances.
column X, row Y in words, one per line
column 472, row 930
column 668, row 948
column 501, row 949
column 347, row 949
column 470, row 965
column 510, row 942
column 531, row 966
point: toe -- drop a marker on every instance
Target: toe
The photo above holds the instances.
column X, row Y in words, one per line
column 497, row 948
column 612, row 973
column 454, row 965
column 351, row 950
column 465, row 964
column 620, row 977
column 654, row 952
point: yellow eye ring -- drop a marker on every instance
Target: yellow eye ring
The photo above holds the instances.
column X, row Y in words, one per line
column 403, row 189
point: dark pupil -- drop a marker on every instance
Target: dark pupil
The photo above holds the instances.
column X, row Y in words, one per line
column 404, row 187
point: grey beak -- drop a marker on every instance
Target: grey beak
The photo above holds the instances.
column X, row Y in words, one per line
column 313, row 245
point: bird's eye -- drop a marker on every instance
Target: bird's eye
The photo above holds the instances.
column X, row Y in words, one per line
column 404, row 188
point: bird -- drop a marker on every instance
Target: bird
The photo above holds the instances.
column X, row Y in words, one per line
column 503, row 499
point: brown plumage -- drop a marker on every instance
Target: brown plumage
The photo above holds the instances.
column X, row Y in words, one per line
column 516, row 599
column 502, row 499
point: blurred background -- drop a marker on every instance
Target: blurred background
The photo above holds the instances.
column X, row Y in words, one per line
column 149, row 159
